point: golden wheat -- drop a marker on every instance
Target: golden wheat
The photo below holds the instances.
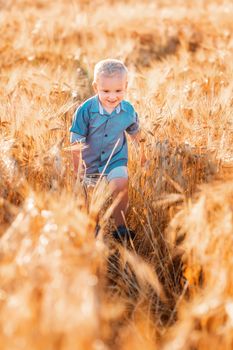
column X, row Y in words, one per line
column 171, row 288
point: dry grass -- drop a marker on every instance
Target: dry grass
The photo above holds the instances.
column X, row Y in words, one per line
column 62, row 289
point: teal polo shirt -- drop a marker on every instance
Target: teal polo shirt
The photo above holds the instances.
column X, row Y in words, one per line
column 103, row 134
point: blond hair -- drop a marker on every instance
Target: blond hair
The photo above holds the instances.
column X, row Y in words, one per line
column 109, row 67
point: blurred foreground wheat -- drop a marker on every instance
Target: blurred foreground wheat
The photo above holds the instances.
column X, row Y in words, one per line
column 171, row 288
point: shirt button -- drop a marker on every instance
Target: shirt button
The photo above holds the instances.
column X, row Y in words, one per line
column 106, row 135
column 102, row 152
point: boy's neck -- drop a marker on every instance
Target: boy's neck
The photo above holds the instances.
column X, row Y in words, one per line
column 109, row 110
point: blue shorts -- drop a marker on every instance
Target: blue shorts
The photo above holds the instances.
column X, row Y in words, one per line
column 118, row 172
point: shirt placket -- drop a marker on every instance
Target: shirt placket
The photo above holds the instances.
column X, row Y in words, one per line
column 105, row 152
column 103, row 143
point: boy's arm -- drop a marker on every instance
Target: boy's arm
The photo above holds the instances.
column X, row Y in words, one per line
column 137, row 137
column 79, row 131
column 139, row 140
column 77, row 144
column 77, row 159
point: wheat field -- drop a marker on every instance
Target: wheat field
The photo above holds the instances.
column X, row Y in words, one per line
column 171, row 288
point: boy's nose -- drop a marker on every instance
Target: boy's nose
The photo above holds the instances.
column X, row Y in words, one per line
column 112, row 97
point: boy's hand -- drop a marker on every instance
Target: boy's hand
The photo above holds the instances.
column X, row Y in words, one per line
column 143, row 159
column 139, row 141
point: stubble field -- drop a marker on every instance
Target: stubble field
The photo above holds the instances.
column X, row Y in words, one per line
column 172, row 288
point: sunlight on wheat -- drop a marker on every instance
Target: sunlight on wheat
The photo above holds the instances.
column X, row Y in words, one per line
column 171, row 287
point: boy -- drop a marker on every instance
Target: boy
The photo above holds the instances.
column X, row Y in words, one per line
column 100, row 123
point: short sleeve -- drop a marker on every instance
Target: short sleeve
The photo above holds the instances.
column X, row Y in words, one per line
column 80, row 124
column 77, row 138
column 134, row 127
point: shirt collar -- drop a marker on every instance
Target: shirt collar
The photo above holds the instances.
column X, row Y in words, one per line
column 101, row 110
column 95, row 104
column 123, row 106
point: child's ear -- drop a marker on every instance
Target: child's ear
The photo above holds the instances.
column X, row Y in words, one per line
column 94, row 85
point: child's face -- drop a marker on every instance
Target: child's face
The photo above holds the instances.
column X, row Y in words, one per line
column 111, row 90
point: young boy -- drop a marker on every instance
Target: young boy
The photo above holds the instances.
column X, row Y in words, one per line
column 100, row 123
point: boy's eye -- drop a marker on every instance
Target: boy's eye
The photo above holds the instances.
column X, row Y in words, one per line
column 106, row 91
column 118, row 90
